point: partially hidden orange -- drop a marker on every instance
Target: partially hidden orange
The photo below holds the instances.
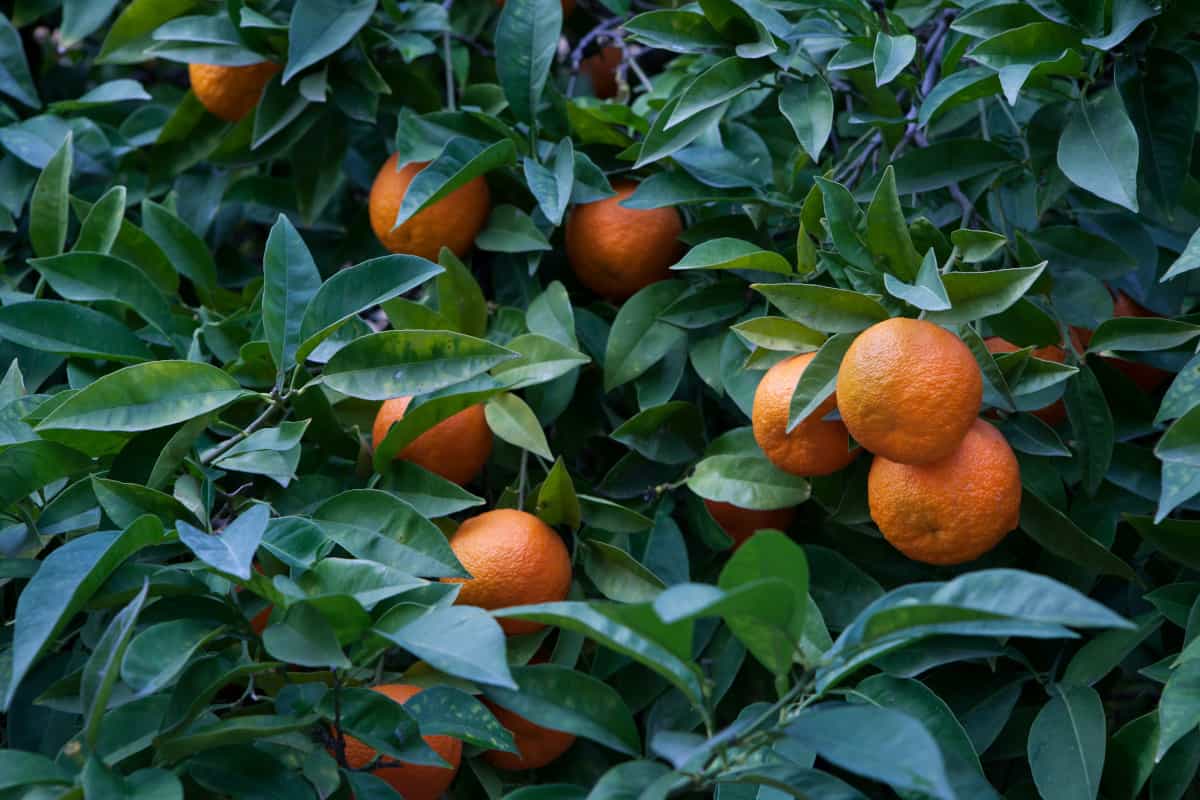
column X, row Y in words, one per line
column 538, row 746
column 453, row 222
column 1056, row 412
column 741, row 523
column 230, row 92
column 514, row 559
column 909, row 390
column 816, row 446
column 456, row 448
column 615, row 251
column 601, row 69
column 412, row 781
column 953, row 510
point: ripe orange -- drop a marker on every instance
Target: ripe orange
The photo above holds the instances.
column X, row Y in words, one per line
column 230, row 92
column 1056, row 412
column 456, row 448
column 539, row 746
column 1147, row 378
column 953, row 510
column 413, row 781
column 601, row 69
column 741, row 523
column 514, row 559
column 817, row 446
column 454, row 221
column 615, row 251
column 909, row 390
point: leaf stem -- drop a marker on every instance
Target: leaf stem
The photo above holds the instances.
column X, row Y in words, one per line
column 263, row 419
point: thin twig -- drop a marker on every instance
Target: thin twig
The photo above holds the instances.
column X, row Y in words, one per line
column 265, row 417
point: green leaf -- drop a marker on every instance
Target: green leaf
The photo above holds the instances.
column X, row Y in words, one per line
column 81, row 18
column 671, row 433
column 1179, row 708
column 599, row 621
column 959, row 88
column 1141, row 334
column 15, row 79
column 638, row 340
column 728, row 253
column 290, row 281
column 20, row 769
column 660, row 143
column 431, row 495
column 66, row 580
column 824, row 308
column 808, row 107
column 185, row 251
column 376, row 526
column 460, row 162
column 229, row 733
column 1106, row 651
column 1188, row 260
column 463, row 641
column 976, row 246
column 618, row 575
column 1178, row 539
column 1163, row 104
column 124, row 503
column 819, row 380
column 1055, row 531
column 54, row 326
column 891, row 55
column 947, row 161
column 1098, row 150
column 843, row 218
column 557, row 502
column 927, row 293
column 1037, row 48
column 446, row 711
column 513, row 420
column 877, row 743
column 1092, row 421
column 86, row 277
column 678, row 31
column 974, row 295
column 102, row 670
column 780, row 334
column 511, row 230
column 144, row 397
column 769, row 554
column 609, row 516
column 563, row 699
column 1066, row 744
column 425, row 412
column 305, row 638
column 102, row 225
column 887, row 232
column 719, row 83
column 552, row 185
column 1127, row 15
column 129, row 35
column 319, row 28
column 161, row 651
column 26, row 467
column 232, row 550
column 49, row 207
column 528, row 32
column 397, row 363
column 747, row 481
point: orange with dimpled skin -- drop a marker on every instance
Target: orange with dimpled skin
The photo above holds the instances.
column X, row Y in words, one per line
column 909, row 390
column 742, row 523
column 230, row 92
column 453, row 222
column 538, row 746
column 456, row 448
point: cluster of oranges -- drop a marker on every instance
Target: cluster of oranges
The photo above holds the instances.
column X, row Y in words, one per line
column 945, row 486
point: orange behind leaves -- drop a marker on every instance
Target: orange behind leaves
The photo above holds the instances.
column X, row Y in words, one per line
column 514, row 559
column 230, row 92
column 456, row 448
column 1056, row 412
column 741, row 523
column 453, row 222
column 615, row 251
column 538, row 746
column 816, row 446
column 601, row 69
column 413, row 781
column 909, row 390
column 953, row 510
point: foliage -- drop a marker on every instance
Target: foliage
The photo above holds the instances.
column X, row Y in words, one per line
column 198, row 324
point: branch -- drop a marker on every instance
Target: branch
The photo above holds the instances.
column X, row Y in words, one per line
column 262, row 420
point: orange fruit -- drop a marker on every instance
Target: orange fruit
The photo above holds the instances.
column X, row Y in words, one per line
column 1056, row 412
column 615, row 251
column 454, row 221
column 909, row 391
column 953, row 510
column 741, row 523
column 413, row 781
column 816, row 446
column 514, row 559
column 539, row 746
column 601, row 69
column 456, row 448
column 230, row 92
